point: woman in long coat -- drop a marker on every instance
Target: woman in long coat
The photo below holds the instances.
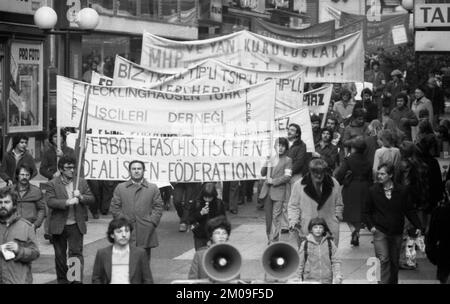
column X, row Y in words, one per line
column 355, row 176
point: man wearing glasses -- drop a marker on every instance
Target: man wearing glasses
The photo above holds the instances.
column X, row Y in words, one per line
column 67, row 223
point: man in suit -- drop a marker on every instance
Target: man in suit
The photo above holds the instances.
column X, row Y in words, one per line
column 140, row 202
column 276, row 188
column 67, row 223
column 121, row 263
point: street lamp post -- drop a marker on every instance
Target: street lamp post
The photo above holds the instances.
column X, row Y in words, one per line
column 45, row 18
column 409, row 6
column 87, row 20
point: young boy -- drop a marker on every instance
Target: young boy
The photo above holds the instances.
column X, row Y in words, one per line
column 318, row 261
column 121, row 263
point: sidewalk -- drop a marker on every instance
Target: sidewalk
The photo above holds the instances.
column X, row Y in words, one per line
column 172, row 259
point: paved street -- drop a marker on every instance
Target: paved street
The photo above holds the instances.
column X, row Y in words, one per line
column 172, row 259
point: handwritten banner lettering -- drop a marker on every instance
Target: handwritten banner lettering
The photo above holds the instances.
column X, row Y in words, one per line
column 339, row 60
column 212, row 76
column 135, row 110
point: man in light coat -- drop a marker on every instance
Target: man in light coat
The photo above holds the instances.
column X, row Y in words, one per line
column 317, row 194
column 140, row 202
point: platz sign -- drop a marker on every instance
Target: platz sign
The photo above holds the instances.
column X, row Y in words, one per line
column 432, row 15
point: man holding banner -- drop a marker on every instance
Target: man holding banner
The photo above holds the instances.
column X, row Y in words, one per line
column 67, row 223
column 297, row 152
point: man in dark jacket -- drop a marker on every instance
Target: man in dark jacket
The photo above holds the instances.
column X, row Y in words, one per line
column 18, row 240
column 30, row 202
column 369, row 106
column 16, row 157
column 48, row 166
column 384, row 215
column 297, row 152
column 438, row 240
column 67, row 223
column 403, row 117
column 121, row 263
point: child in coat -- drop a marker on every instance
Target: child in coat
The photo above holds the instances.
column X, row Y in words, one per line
column 318, row 260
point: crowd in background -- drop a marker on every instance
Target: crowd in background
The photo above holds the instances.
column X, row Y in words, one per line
column 375, row 165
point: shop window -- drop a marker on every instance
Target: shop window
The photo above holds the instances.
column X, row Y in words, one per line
column 126, row 7
column 186, row 14
column 99, row 52
column 102, row 6
column 25, row 87
column 149, row 8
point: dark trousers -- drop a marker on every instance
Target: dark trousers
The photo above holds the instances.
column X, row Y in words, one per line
column 248, row 189
column 103, row 192
column 232, row 195
column 200, row 242
column 71, row 237
column 387, row 250
column 183, row 196
column 165, row 192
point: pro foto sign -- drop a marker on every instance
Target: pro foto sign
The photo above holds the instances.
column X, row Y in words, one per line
column 432, row 15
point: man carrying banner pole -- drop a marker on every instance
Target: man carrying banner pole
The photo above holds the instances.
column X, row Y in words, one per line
column 67, row 201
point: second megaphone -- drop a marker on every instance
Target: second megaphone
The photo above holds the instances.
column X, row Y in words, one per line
column 280, row 260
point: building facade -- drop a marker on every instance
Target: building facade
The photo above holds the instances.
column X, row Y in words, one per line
column 31, row 58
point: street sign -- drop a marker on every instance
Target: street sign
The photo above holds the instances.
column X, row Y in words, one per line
column 432, row 15
column 432, row 41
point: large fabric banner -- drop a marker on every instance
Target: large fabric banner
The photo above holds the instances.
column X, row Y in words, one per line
column 339, row 60
column 357, row 26
column 318, row 100
column 302, row 118
column 176, row 159
column 378, row 33
column 316, row 33
column 135, row 110
column 212, row 76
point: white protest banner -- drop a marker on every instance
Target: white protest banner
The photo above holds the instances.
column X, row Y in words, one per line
column 135, row 110
column 176, row 159
column 339, row 60
column 99, row 79
column 128, row 73
column 318, row 100
column 212, row 76
column 303, row 119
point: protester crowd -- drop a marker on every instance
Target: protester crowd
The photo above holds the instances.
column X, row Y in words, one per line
column 374, row 167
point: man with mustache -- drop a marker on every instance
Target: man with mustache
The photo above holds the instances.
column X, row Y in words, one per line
column 17, row 241
column 30, row 202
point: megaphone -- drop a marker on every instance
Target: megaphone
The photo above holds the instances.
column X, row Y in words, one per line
column 280, row 260
column 222, row 262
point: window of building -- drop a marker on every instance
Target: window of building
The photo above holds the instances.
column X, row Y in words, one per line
column 126, row 7
column 104, row 7
column 25, row 94
column 99, row 52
